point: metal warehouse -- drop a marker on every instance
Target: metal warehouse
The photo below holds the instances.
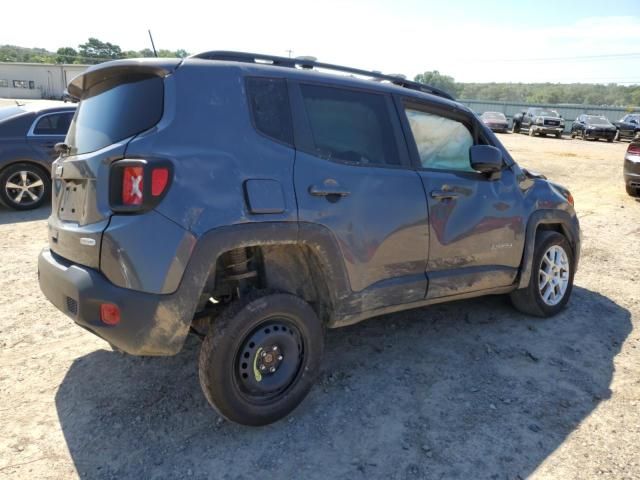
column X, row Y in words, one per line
column 36, row 80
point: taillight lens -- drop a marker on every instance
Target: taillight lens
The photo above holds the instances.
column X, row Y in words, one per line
column 634, row 149
column 132, row 185
column 159, row 180
column 138, row 185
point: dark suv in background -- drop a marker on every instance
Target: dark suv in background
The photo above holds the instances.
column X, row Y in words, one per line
column 256, row 201
column 28, row 134
column 593, row 127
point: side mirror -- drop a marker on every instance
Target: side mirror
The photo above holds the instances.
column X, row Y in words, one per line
column 485, row 158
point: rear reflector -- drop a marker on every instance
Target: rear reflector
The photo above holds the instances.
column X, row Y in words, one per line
column 109, row 314
column 159, row 181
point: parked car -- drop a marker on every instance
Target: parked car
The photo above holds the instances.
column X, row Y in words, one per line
column 538, row 121
column 288, row 200
column 631, row 169
column 496, row 121
column 28, row 134
column 628, row 126
column 593, row 127
column 66, row 97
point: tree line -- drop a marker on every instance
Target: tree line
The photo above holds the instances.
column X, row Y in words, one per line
column 95, row 51
column 546, row 93
column 91, row 52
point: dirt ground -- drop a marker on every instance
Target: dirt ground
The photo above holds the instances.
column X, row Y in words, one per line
column 466, row 390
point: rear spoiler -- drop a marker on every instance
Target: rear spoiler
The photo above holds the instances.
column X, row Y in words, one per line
column 160, row 67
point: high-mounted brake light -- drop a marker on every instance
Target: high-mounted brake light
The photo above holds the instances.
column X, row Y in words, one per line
column 132, row 185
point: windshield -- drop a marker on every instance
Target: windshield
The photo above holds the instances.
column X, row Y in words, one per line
column 632, row 117
column 115, row 109
column 595, row 119
column 493, row 116
column 545, row 113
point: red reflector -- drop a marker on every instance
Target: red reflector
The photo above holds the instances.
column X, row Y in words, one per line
column 109, row 314
column 132, row 186
column 634, row 149
column 159, row 180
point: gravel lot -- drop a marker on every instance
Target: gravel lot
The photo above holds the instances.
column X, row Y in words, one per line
column 466, row 390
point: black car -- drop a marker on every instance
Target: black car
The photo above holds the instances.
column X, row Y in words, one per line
column 632, row 169
column 496, row 121
column 28, row 134
column 593, row 127
column 628, row 126
column 257, row 201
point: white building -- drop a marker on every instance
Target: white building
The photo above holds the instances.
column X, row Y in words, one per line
column 36, row 80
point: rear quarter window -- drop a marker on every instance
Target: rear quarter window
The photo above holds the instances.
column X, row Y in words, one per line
column 115, row 109
column 269, row 103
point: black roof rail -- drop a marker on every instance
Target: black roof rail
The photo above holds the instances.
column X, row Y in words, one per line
column 306, row 62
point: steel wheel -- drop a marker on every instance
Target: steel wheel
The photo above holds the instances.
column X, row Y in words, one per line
column 553, row 276
column 269, row 360
column 24, row 188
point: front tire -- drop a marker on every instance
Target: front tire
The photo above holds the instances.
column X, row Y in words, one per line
column 634, row 192
column 531, row 132
column 261, row 357
column 551, row 280
column 24, row 186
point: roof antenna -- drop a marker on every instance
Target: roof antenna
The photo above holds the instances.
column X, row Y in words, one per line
column 153, row 44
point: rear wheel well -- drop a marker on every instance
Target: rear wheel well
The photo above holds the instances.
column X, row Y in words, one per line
column 26, row 162
column 288, row 268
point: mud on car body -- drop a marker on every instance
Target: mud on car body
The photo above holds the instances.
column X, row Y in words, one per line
column 257, row 201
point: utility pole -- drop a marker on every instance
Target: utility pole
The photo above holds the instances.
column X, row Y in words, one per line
column 289, row 52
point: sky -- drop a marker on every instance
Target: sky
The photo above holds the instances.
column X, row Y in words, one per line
column 473, row 41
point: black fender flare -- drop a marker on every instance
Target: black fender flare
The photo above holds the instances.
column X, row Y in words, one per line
column 569, row 226
column 319, row 239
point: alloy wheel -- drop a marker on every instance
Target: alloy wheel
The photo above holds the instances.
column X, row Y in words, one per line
column 25, row 188
column 553, row 276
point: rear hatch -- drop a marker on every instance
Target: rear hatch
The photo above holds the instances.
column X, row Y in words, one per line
column 118, row 100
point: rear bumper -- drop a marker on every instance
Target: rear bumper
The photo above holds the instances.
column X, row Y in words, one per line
column 151, row 324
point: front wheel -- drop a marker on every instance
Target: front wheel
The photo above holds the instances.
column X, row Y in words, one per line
column 551, row 280
column 24, row 186
column 261, row 357
column 531, row 131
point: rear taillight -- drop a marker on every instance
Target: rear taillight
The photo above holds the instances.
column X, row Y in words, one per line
column 159, row 180
column 132, row 185
column 634, row 149
column 138, row 185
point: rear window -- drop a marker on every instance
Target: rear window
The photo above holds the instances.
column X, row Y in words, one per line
column 114, row 110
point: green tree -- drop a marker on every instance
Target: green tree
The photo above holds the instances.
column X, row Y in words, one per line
column 96, row 51
column 437, row 80
column 66, row 55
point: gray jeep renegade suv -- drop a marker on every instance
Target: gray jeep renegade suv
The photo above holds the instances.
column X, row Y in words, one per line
column 257, row 200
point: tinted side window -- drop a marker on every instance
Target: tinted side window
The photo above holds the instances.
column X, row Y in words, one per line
column 442, row 143
column 350, row 126
column 269, row 103
column 55, row 124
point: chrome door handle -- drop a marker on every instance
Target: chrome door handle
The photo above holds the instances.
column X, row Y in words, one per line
column 328, row 190
column 443, row 194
